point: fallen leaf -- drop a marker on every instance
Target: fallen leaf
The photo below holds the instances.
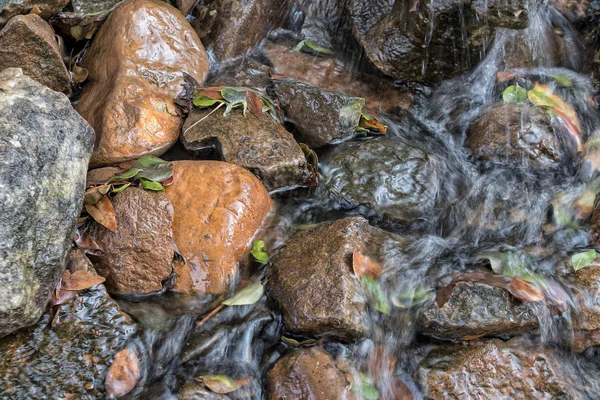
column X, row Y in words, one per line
column 78, row 261
column 151, row 185
column 255, row 104
column 61, row 296
column 259, row 252
column 80, row 74
column 372, row 124
column 85, row 241
column 221, row 384
column 148, row 161
column 120, row 188
column 249, row 295
column 514, row 94
column 524, row 291
column 505, row 76
column 582, row 260
column 316, row 48
column 95, row 194
column 130, row 173
column 411, row 297
column 295, row 343
column 473, row 337
column 123, row 374
column 365, row 266
column 377, row 298
column 80, row 280
column 202, row 101
column 366, row 389
column 103, row 212
column 562, row 80
column 212, row 92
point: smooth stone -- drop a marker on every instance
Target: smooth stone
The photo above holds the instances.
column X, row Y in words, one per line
column 45, row 147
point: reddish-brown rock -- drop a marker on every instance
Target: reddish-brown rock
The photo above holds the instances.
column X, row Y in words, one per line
column 308, row 374
column 138, row 256
column 136, row 65
column 29, row 43
column 218, row 207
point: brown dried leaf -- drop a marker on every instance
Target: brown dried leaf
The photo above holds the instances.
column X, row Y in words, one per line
column 365, row 266
column 85, row 241
column 104, row 213
column 255, row 104
column 80, row 74
column 372, row 124
column 93, row 195
column 123, row 374
column 524, row 291
column 222, row 384
column 61, row 296
column 212, row 92
column 505, row 76
column 79, row 280
column 473, row 337
column 78, row 261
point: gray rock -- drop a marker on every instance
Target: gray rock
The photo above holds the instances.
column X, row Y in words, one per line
column 10, row 8
column 93, row 6
column 45, row 147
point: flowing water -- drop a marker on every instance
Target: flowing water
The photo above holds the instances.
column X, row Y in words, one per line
column 479, row 208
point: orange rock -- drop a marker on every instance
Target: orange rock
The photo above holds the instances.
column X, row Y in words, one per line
column 218, row 207
column 136, row 65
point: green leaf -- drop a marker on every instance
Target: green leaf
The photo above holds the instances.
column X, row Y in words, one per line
column 221, row 384
column 376, row 293
column 582, row 260
column 562, row 81
column 249, row 295
column 316, row 48
column 130, row 173
column 120, row 188
column 295, row 343
column 156, row 173
column 514, row 94
column 148, row 161
column 300, row 45
column 202, row 101
column 366, row 389
column 259, row 252
column 150, row 185
column 411, row 297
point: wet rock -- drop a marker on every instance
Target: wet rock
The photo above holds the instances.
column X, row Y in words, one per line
column 262, row 146
column 138, row 256
column 45, row 147
column 29, row 43
column 218, row 207
column 494, row 369
column 136, row 65
column 320, row 116
column 68, row 355
column 93, row 6
column 586, row 312
column 45, row 8
column 247, row 72
column 434, row 41
column 309, row 374
column 385, row 177
column 312, row 280
column 330, row 73
column 325, row 23
column 230, row 28
column 476, row 310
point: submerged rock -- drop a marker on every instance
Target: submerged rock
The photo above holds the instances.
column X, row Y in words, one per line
column 218, row 208
column 29, row 43
column 138, row 256
column 262, row 146
column 320, row 116
column 476, row 310
column 136, row 65
column 309, row 374
column 386, row 177
column 312, row 280
column 586, row 312
column 68, row 355
column 45, row 8
column 45, row 147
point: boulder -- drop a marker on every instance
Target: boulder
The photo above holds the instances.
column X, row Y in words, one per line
column 262, row 146
column 246, row 72
column 309, row 374
column 68, row 355
column 138, row 256
column 45, row 147
column 320, row 116
column 230, row 28
column 325, row 22
column 476, row 310
column 515, row 134
column 586, row 312
column 29, row 43
column 136, row 65
column 218, row 209
column 385, row 177
column 312, row 280
column 45, row 8
column 93, row 6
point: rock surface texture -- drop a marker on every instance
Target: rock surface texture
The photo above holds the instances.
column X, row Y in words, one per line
column 45, row 147
column 136, row 64
column 45, row 8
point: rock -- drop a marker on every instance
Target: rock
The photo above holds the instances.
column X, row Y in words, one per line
column 309, row 374
column 45, row 147
column 246, row 72
column 29, row 43
column 195, row 391
column 325, row 23
column 230, row 28
column 476, row 310
column 320, row 116
column 219, row 208
column 45, row 8
column 262, row 146
column 386, row 177
column 67, row 356
column 93, row 6
column 515, row 134
column 437, row 40
column 136, row 65
column 312, row 281
column 586, row 313
column 330, row 73
column 139, row 255
column 494, row 369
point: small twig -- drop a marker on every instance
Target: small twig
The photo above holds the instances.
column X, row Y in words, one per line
column 210, row 315
column 203, row 118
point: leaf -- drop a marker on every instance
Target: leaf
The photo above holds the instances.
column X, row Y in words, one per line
column 152, row 186
column 148, row 161
column 411, row 298
column 202, row 101
column 130, row 173
column 365, row 266
column 95, row 194
column 123, row 374
column 249, row 295
column 514, row 94
column 84, row 241
column 524, row 291
column 366, row 389
column 299, row 46
column 212, row 92
column 103, row 212
column 80, row 280
column 79, row 74
column 255, row 104
column 156, row 173
column 120, row 188
column 562, row 81
column 60, row 297
column 376, row 293
column 259, row 252
column 295, row 343
column 372, row 124
column 221, row 384
column 316, row 48
column 582, row 260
